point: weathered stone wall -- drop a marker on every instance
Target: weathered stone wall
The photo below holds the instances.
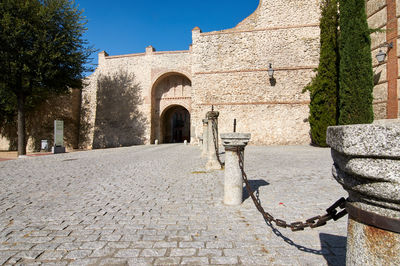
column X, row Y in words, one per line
column 149, row 68
column 279, row 14
column 229, row 69
column 172, row 89
column 40, row 123
column 230, row 72
column 397, row 44
column 387, row 85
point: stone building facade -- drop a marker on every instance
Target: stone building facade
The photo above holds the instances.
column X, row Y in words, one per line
column 385, row 15
column 228, row 69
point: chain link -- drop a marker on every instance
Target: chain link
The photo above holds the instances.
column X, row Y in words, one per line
column 331, row 213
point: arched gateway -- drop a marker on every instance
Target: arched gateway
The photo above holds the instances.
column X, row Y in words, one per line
column 170, row 108
column 175, row 124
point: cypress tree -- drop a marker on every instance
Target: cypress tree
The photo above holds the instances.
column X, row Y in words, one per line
column 356, row 75
column 324, row 87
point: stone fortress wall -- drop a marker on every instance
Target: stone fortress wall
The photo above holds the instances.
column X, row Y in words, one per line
column 385, row 15
column 40, row 123
column 230, row 72
column 228, row 69
column 149, row 68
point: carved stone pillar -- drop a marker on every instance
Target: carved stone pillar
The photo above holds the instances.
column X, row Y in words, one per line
column 234, row 144
column 212, row 141
column 367, row 165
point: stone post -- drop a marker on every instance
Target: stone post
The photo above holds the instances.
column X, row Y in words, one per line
column 234, row 144
column 205, row 138
column 367, row 165
column 58, row 137
column 212, row 141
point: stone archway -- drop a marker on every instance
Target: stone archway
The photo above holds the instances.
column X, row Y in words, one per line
column 175, row 125
column 171, row 94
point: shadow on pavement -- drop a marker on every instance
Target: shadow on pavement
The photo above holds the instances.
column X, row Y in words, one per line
column 327, row 243
column 254, row 184
column 336, row 242
column 291, row 242
column 333, row 247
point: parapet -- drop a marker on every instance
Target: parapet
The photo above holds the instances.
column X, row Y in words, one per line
column 150, row 49
column 102, row 56
column 197, row 29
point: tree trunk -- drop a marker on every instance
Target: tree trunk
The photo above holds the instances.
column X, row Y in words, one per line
column 21, row 125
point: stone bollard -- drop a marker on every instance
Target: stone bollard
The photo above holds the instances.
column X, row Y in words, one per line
column 234, row 144
column 185, row 142
column 367, row 165
column 212, row 141
column 156, row 142
column 205, row 138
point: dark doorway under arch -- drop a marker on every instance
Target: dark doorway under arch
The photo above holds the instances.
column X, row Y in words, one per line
column 175, row 125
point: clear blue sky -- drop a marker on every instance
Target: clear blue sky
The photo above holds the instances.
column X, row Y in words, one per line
column 128, row 26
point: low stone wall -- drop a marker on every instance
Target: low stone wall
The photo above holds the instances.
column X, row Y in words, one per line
column 40, row 123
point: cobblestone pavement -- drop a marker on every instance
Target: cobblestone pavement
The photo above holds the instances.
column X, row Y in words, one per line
column 158, row 205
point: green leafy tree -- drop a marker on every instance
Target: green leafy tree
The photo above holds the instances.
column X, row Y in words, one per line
column 324, row 87
column 355, row 75
column 42, row 53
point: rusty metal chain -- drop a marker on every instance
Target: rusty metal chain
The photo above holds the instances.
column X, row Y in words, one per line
column 331, row 213
column 215, row 138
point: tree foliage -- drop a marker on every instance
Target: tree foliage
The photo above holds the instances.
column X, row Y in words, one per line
column 42, row 53
column 341, row 93
column 356, row 75
column 324, row 87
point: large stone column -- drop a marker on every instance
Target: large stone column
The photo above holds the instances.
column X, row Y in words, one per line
column 205, row 138
column 234, row 144
column 212, row 141
column 367, row 165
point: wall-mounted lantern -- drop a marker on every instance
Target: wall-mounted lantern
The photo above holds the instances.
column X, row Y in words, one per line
column 271, row 71
column 382, row 55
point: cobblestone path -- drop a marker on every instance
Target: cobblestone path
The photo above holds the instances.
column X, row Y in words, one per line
column 157, row 205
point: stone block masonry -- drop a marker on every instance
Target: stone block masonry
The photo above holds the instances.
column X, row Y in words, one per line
column 149, row 69
column 384, row 15
column 230, row 72
column 228, row 69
